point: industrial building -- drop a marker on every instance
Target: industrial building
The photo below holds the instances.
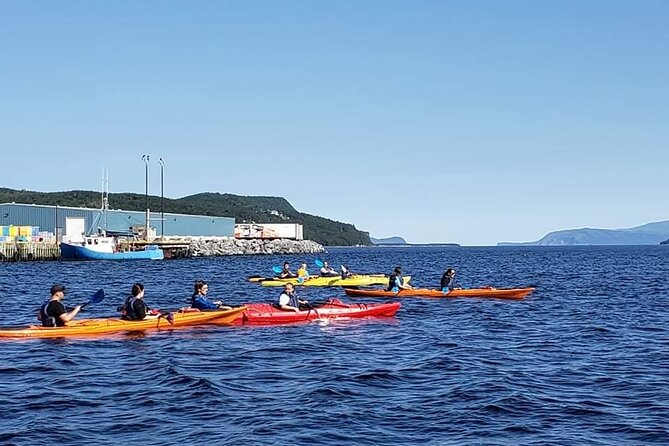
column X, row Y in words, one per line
column 53, row 219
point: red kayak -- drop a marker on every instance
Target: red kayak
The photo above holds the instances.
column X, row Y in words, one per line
column 268, row 314
column 511, row 293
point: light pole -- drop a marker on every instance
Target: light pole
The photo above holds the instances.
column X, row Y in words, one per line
column 162, row 199
column 146, row 174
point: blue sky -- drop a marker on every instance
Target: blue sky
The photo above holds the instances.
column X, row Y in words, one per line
column 442, row 121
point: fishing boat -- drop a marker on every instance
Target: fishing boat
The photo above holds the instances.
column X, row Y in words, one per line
column 108, row 245
column 105, row 247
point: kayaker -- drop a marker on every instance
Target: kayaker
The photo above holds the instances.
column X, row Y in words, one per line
column 345, row 272
column 53, row 313
column 302, row 273
column 199, row 299
column 289, row 301
column 448, row 280
column 134, row 308
column 286, row 273
column 396, row 281
column 327, row 271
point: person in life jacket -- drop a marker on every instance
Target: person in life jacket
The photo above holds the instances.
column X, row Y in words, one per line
column 396, row 282
column 199, row 299
column 286, row 273
column 134, row 308
column 327, row 271
column 53, row 313
column 448, row 280
column 289, row 301
column 302, row 273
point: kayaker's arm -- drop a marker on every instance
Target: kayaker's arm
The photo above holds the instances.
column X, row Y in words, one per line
column 66, row 317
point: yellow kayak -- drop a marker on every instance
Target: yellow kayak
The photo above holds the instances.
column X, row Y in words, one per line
column 86, row 327
column 357, row 280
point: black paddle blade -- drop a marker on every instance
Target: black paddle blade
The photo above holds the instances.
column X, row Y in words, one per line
column 96, row 298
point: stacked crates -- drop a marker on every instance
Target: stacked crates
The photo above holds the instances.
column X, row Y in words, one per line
column 24, row 234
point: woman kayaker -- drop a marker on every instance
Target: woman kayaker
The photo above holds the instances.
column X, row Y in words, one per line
column 289, row 301
column 286, row 273
column 199, row 299
column 448, row 280
column 327, row 271
column 396, row 282
column 53, row 313
column 302, row 273
column 134, row 308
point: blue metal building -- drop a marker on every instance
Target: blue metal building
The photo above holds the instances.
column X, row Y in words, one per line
column 52, row 219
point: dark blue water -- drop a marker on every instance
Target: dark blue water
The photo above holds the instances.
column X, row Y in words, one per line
column 585, row 360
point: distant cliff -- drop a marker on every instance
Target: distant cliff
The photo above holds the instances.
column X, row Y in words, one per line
column 243, row 209
column 648, row 234
column 388, row 241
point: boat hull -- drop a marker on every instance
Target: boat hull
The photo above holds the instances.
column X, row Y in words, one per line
column 267, row 314
column 512, row 293
column 361, row 280
column 96, row 327
column 77, row 252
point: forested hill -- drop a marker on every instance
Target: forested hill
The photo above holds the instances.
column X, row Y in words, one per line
column 242, row 209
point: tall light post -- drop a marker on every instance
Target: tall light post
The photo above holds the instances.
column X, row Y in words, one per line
column 146, row 174
column 162, row 199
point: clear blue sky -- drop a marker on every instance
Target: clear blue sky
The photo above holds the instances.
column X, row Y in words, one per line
column 442, row 121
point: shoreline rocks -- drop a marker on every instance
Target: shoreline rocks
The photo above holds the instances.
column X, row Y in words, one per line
column 229, row 246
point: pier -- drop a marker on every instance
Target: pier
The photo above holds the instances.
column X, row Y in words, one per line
column 29, row 251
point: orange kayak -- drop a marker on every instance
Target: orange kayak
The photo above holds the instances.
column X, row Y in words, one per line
column 498, row 293
column 86, row 327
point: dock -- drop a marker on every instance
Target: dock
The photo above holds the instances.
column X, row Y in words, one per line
column 29, row 251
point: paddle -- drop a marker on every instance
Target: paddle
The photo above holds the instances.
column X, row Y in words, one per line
column 318, row 263
column 96, row 298
column 277, row 269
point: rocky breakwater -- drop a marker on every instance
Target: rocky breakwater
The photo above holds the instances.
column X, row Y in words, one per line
column 228, row 246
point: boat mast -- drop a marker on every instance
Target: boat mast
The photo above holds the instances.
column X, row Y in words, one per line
column 146, row 228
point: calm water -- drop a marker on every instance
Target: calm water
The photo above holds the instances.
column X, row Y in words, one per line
column 585, row 360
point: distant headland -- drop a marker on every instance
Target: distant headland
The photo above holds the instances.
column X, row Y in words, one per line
column 648, row 234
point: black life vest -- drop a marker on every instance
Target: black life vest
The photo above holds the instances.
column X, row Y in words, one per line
column 392, row 282
column 129, row 311
column 47, row 320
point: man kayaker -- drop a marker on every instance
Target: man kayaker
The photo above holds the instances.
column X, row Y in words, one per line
column 134, row 308
column 289, row 301
column 448, row 280
column 396, row 281
column 327, row 271
column 286, row 273
column 53, row 313
column 199, row 299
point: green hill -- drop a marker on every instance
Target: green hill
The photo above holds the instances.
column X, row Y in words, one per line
column 243, row 209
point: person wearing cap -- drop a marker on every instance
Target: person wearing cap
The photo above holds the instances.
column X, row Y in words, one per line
column 53, row 313
column 396, row 282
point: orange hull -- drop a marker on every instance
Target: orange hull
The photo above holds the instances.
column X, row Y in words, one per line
column 87, row 327
column 513, row 293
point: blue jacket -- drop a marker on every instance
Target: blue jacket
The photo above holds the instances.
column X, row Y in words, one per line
column 202, row 303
